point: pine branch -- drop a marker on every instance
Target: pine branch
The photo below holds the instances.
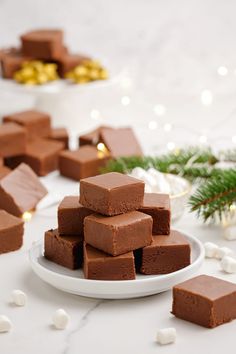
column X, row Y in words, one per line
column 192, row 163
column 215, row 197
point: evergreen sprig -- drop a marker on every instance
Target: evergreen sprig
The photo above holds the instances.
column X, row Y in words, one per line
column 191, row 163
column 214, row 198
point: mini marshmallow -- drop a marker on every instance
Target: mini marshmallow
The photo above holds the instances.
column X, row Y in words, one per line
column 221, row 252
column 210, row 249
column 228, row 264
column 19, row 298
column 161, row 184
column 166, row 335
column 5, row 324
column 230, row 233
column 60, row 319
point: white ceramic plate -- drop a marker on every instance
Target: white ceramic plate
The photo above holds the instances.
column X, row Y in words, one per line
column 73, row 281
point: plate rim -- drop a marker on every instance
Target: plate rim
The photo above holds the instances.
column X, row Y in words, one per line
column 151, row 278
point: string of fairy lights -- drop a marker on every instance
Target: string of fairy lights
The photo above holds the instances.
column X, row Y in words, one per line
column 159, row 109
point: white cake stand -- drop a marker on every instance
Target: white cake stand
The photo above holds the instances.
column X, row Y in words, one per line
column 69, row 104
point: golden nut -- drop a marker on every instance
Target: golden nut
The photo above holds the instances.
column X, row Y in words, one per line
column 80, row 71
column 27, row 73
column 103, row 75
column 31, row 82
column 94, row 74
column 82, row 80
column 42, row 78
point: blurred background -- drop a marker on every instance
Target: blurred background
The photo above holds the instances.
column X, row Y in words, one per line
column 174, row 65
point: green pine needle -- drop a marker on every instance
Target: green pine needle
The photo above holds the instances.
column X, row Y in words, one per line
column 214, row 198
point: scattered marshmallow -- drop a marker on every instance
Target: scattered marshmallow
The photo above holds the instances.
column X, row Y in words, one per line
column 230, row 233
column 161, row 183
column 166, row 335
column 5, row 324
column 221, row 252
column 228, row 264
column 210, row 249
column 19, row 298
column 60, row 319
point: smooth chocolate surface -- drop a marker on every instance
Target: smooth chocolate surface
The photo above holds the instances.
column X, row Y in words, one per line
column 118, row 234
column 11, row 61
column 165, row 254
column 69, row 61
column 205, row 300
column 11, row 232
column 20, row 191
column 36, row 123
column 43, row 44
column 112, row 193
column 158, row 207
column 41, row 155
column 93, row 137
column 12, row 140
column 60, row 134
column 66, row 251
column 82, row 163
column 121, row 142
column 71, row 216
column 100, row 266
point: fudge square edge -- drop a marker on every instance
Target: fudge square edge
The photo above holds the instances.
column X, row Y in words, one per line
column 205, row 300
column 111, row 193
column 118, row 234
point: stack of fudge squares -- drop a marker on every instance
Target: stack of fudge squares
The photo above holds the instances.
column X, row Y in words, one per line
column 114, row 230
column 41, row 44
column 28, row 137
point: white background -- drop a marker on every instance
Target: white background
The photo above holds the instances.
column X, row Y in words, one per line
column 171, row 50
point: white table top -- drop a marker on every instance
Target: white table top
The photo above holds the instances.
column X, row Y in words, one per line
column 171, row 51
column 101, row 326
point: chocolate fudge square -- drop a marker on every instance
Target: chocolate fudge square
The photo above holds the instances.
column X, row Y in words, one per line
column 112, row 193
column 11, row 232
column 60, row 134
column 158, row 207
column 11, row 61
column 165, row 254
column 4, row 171
column 37, row 124
column 205, row 300
column 43, row 44
column 100, row 266
column 41, row 155
column 118, row 234
column 71, row 216
column 82, row 163
column 93, row 137
column 12, row 140
column 20, row 191
column 68, row 62
column 66, row 251
column 121, row 142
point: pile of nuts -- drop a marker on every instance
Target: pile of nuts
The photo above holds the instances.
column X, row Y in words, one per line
column 89, row 70
column 36, row 72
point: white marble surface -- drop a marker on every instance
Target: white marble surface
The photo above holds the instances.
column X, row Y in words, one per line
column 171, row 51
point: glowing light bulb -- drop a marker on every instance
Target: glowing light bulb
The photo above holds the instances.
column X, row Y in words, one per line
column 167, row 127
column 159, row 109
column 27, row 216
column 234, row 139
column 203, row 139
column 152, row 125
column 95, row 114
column 170, row 145
column 125, row 100
column 102, row 150
column 222, row 71
column 206, row 97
